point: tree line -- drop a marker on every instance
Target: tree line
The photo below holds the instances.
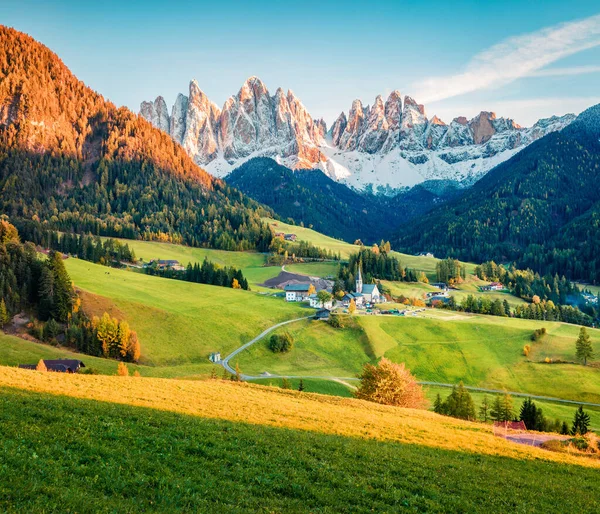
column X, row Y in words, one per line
column 459, row 404
column 206, row 273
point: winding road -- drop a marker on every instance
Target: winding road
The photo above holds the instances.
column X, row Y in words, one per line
column 226, row 365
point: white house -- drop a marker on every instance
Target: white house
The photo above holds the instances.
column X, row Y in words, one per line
column 296, row 292
column 317, row 304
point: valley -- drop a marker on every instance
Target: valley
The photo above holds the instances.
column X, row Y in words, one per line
column 241, row 309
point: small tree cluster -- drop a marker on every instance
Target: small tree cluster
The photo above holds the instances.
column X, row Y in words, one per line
column 281, row 343
column 115, row 338
column 458, row 404
column 538, row 334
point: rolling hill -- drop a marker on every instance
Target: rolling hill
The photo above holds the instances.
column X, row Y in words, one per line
column 117, row 443
column 540, row 208
column 72, row 160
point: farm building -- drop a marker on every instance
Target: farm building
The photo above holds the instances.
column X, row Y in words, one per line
column 166, row 264
column 215, row 357
column 322, row 314
column 297, row 292
column 58, row 365
column 494, row 286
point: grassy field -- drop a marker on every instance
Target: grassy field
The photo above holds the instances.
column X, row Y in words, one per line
column 481, row 351
column 252, row 264
column 75, row 443
column 178, row 323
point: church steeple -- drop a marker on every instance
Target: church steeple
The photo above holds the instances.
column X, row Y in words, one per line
column 359, row 281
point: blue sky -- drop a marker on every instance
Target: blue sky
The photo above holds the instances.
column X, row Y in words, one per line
column 457, row 57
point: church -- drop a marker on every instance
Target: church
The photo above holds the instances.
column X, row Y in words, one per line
column 369, row 292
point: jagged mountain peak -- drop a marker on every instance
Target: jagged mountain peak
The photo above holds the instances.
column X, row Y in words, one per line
column 389, row 144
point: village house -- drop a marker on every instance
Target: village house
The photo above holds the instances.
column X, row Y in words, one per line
column 166, row 264
column 318, row 304
column 425, row 254
column 215, row 357
column 432, row 294
column 442, row 286
column 322, row 314
column 297, row 292
column 358, row 298
column 58, row 365
column 494, row 286
column 290, row 237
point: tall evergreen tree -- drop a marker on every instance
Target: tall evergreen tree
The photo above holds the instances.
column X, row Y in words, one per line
column 581, row 422
column 583, row 346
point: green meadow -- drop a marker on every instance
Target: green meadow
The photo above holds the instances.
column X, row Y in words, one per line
column 482, row 351
column 179, row 323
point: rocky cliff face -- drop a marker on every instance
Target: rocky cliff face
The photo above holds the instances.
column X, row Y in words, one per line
column 251, row 123
column 388, row 145
column 394, row 144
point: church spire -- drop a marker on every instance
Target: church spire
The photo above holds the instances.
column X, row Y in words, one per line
column 359, row 280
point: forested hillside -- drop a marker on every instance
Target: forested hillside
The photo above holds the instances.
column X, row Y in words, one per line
column 311, row 197
column 541, row 209
column 70, row 158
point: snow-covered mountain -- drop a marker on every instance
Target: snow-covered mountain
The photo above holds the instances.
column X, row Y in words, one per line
column 251, row 123
column 388, row 145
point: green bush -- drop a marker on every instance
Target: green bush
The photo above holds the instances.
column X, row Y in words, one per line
column 281, row 343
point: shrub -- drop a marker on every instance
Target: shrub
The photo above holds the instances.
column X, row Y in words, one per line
column 281, row 343
column 89, row 371
column 122, row 370
column 390, row 384
column 526, row 350
column 538, row 334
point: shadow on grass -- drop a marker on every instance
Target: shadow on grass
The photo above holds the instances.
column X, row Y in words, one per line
column 66, row 454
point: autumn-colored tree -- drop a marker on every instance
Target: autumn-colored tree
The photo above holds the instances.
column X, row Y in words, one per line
column 107, row 333
column 238, row 373
column 235, row 284
column 133, row 348
column 41, row 366
column 285, row 384
column 352, row 306
column 4, row 315
column 8, row 232
column 136, row 373
column 122, row 370
column 123, row 337
column 311, row 289
column 390, row 384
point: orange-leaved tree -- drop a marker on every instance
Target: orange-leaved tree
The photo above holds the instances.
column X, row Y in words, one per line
column 389, row 383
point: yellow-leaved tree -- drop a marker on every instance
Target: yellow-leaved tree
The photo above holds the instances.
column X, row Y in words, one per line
column 389, row 383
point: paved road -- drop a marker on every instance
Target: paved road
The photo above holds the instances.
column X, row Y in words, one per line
column 225, row 364
column 225, row 361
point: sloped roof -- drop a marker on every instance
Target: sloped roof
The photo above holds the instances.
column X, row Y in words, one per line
column 369, row 288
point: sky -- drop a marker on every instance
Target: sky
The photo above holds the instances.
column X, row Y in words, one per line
column 522, row 59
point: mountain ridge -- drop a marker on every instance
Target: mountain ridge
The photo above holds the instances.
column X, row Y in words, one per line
column 386, row 146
